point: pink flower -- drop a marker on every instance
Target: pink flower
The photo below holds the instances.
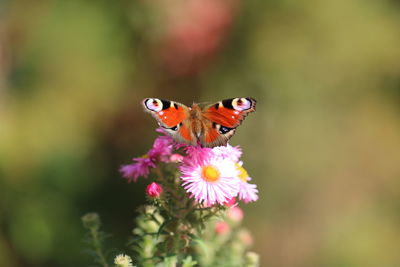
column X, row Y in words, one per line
column 245, row 236
column 154, row 190
column 247, row 192
column 228, row 151
column 235, row 214
column 221, row 228
column 162, row 149
column 135, row 170
column 208, row 177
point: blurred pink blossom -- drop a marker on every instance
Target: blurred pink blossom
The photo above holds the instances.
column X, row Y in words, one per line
column 235, row 214
column 195, row 33
column 221, row 228
column 246, row 238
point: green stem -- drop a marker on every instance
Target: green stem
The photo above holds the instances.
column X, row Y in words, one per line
column 97, row 246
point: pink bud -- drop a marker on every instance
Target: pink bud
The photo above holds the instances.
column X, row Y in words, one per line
column 245, row 237
column 154, row 190
column 235, row 214
column 230, row 202
column 221, row 228
column 176, row 158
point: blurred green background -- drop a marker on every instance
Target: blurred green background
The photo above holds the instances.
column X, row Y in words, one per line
column 323, row 146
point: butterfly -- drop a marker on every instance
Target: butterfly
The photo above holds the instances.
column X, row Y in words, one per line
column 210, row 126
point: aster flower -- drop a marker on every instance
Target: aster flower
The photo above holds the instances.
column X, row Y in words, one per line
column 228, row 151
column 123, row 260
column 208, row 177
column 247, row 192
column 197, row 154
column 141, row 168
column 161, row 151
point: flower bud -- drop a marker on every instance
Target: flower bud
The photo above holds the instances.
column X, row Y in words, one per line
column 245, row 237
column 235, row 214
column 221, row 228
column 91, row 220
column 154, row 190
column 252, row 259
column 231, row 202
column 176, row 158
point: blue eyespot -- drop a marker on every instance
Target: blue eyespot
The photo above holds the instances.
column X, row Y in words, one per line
column 224, row 130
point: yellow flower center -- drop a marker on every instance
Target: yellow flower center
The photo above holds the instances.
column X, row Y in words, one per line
column 243, row 175
column 210, row 173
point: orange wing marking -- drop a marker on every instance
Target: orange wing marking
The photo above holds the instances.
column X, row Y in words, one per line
column 224, row 116
column 185, row 134
column 211, row 135
column 171, row 116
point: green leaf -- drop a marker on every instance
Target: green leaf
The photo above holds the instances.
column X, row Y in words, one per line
column 188, row 262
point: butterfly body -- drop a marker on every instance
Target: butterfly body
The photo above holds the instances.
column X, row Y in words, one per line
column 210, row 126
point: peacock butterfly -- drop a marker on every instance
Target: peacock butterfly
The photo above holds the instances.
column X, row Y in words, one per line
column 210, row 126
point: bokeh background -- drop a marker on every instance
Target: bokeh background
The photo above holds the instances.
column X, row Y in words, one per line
column 323, row 146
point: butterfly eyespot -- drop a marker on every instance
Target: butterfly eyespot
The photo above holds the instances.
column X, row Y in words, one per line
column 153, row 104
column 241, row 104
column 224, row 130
column 175, row 128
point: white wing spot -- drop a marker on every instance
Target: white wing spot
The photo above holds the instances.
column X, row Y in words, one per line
column 242, row 105
column 161, row 113
column 154, row 104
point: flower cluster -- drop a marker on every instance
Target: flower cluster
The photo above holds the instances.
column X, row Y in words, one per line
column 192, row 218
column 210, row 175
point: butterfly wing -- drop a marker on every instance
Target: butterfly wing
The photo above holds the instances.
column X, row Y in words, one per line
column 225, row 116
column 173, row 117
